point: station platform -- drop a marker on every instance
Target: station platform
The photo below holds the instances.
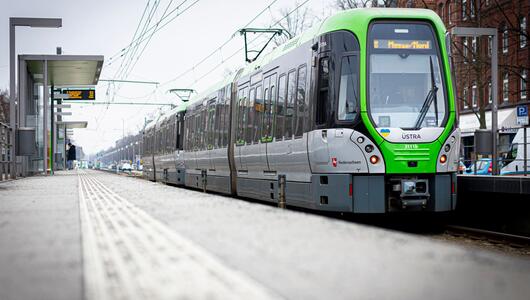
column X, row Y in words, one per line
column 95, row 235
column 514, row 185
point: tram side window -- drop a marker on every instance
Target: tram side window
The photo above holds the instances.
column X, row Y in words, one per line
column 211, row 124
column 266, row 99
column 161, row 139
column 348, row 89
column 241, row 116
column 222, row 123
column 177, row 134
column 323, row 91
column 258, row 117
column 226, row 116
column 194, row 135
column 188, row 134
column 181, row 132
column 174, row 136
column 271, row 111
column 204, row 128
column 280, row 107
column 249, row 124
column 289, row 108
column 301, row 107
column 216, row 126
column 270, row 102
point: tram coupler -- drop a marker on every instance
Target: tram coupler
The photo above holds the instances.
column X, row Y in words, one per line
column 281, row 188
column 410, row 193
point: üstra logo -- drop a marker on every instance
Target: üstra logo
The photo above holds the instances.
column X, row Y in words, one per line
column 385, row 132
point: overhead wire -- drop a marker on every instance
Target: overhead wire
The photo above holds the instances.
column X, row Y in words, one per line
column 155, row 28
column 212, row 53
column 138, row 39
column 141, row 38
column 146, row 44
column 219, row 48
column 121, row 73
column 234, row 53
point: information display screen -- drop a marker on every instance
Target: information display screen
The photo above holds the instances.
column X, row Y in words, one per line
column 78, row 94
column 402, row 44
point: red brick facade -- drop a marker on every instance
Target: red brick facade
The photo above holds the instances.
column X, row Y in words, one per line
column 472, row 62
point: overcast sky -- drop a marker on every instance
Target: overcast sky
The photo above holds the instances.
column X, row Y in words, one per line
column 104, row 27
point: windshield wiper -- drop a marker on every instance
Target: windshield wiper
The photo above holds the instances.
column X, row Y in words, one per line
column 431, row 96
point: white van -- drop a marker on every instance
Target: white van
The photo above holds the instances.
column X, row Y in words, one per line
column 515, row 158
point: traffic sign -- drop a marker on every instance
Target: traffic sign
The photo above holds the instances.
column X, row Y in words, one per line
column 522, row 115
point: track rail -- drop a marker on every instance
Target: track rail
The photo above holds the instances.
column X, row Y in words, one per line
column 511, row 239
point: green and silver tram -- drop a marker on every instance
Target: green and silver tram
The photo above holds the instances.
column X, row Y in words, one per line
column 357, row 115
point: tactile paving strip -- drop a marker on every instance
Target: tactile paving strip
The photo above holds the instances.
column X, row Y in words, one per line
column 128, row 254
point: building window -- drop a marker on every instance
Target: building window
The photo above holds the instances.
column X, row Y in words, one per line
column 449, row 13
column 472, row 8
column 474, row 95
column 505, row 88
column 464, row 97
column 522, row 32
column 474, row 48
column 490, row 45
column 487, row 2
column 490, row 94
column 464, row 48
column 464, row 10
column 504, row 39
column 524, row 76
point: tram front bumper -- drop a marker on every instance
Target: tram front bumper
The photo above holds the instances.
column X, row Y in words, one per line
column 382, row 194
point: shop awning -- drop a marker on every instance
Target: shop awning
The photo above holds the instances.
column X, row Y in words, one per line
column 506, row 117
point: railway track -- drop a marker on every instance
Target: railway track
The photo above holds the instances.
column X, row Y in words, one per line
column 512, row 240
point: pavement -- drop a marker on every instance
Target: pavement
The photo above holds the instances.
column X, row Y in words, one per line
column 96, row 235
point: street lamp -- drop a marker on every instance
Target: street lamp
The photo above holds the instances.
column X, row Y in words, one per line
column 476, row 32
column 13, row 23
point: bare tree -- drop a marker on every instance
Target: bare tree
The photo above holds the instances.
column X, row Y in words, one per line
column 294, row 20
column 4, row 106
column 349, row 4
column 472, row 56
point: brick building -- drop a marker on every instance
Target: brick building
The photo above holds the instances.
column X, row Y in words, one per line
column 472, row 59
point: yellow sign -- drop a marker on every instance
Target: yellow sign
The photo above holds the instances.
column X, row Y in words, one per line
column 402, row 44
column 80, row 94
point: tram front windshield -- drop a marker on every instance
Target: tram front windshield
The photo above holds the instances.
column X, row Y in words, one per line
column 405, row 80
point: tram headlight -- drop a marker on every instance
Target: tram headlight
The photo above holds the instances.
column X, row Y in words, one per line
column 369, row 148
column 374, row 159
column 443, row 159
column 447, row 147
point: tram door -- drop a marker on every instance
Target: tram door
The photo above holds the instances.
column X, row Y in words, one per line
column 287, row 153
column 253, row 153
column 267, row 133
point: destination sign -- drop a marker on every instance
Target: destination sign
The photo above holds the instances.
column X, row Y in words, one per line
column 89, row 94
column 402, row 44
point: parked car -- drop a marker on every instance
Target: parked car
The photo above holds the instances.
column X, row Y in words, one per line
column 483, row 167
column 126, row 167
